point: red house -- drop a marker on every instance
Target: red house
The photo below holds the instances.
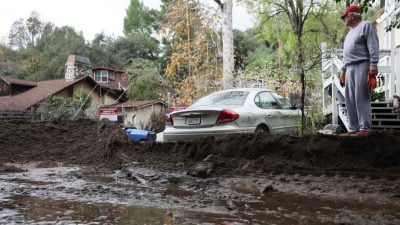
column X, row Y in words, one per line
column 108, row 77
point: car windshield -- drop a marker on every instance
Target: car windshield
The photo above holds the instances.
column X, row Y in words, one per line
column 223, row 98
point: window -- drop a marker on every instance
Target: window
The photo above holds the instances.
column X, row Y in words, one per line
column 101, row 76
column 284, row 102
column 223, row 98
column 265, row 100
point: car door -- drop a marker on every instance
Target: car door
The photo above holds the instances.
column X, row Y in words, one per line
column 290, row 114
column 268, row 111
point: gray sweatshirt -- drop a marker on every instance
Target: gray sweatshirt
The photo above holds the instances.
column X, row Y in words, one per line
column 361, row 44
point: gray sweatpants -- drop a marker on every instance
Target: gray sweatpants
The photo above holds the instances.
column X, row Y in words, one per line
column 358, row 97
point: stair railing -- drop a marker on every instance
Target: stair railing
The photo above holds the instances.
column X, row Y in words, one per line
column 333, row 92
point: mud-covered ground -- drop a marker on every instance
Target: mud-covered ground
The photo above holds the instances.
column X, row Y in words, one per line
column 86, row 172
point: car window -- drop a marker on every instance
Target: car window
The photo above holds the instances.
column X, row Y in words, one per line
column 284, row 102
column 223, row 98
column 265, row 100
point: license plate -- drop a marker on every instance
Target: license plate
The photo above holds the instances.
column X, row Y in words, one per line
column 193, row 120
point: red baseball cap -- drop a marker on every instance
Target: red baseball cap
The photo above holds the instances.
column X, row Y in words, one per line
column 352, row 8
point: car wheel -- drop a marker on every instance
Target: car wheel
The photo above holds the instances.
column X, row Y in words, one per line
column 262, row 129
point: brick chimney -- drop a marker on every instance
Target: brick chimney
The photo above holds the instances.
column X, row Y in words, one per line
column 76, row 67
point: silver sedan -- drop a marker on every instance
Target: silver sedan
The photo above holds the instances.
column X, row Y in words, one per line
column 241, row 110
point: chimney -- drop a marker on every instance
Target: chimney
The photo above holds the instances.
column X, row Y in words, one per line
column 76, row 67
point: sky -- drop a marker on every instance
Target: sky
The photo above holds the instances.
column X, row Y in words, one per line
column 89, row 16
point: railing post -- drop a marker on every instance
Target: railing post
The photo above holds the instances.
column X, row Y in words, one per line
column 324, row 62
column 392, row 77
column 396, row 71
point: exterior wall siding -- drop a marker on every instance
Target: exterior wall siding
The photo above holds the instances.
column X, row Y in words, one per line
column 97, row 100
column 141, row 116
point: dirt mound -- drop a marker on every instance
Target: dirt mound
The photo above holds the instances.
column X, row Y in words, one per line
column 104, row 144
column 72, row 142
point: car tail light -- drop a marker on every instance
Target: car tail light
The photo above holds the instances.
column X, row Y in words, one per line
column 227, row 115
column 168, row 120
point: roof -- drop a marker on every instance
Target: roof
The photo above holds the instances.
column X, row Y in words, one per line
column 107, row 68
column 137, row 104
column 16, row 81
column 33, row 96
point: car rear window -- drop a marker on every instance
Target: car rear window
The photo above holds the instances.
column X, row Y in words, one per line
column 223, row 98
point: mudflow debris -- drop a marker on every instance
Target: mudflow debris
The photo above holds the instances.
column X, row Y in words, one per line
column 247, row 178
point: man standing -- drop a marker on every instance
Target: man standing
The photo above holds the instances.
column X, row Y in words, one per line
column 360, row 56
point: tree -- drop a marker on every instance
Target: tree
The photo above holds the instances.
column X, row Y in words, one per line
column 27, row 33
column 227, row 43
column 18, row 37
column 366, row 4
column 192, row 65
column 139, row 26
column 51, row 53
column 298, row 28
column 98, row 51
column 34, row 26
column 8, row 61
column 146, row 81
column 138, row 19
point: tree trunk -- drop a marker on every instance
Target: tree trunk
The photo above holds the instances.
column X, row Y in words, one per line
column 301, row 72
column 227, row 45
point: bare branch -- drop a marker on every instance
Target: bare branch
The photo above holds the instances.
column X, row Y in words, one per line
column 221, row 5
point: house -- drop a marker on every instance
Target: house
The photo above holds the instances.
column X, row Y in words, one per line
column 106, row 87
column 19, row 96
column 131, row 113
column 110, row 78
column 383, row 18
column 138, row 113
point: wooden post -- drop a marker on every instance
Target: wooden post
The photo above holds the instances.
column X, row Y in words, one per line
column 392, row 78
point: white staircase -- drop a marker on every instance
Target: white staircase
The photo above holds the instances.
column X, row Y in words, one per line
column 383, row 116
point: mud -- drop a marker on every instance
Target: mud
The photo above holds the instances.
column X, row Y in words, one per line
column 74, row 172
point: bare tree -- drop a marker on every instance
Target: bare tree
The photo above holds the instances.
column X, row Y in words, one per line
column 18, row 38
column 24, row 33
column 227, row 43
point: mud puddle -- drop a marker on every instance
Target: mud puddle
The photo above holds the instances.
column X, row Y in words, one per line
column 134, row 195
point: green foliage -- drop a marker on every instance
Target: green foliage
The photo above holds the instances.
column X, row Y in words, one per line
column 315, row 120
column 60, row 108
column 82, row 100
column 100, row 52
column 367, row 5
column 146, row 81
column 378, row 96
column 137, row 46
column 46, row 58
column 8, row 61
column 244, row 44
column 139, row 26
column 54, row 49
column 139, row 19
